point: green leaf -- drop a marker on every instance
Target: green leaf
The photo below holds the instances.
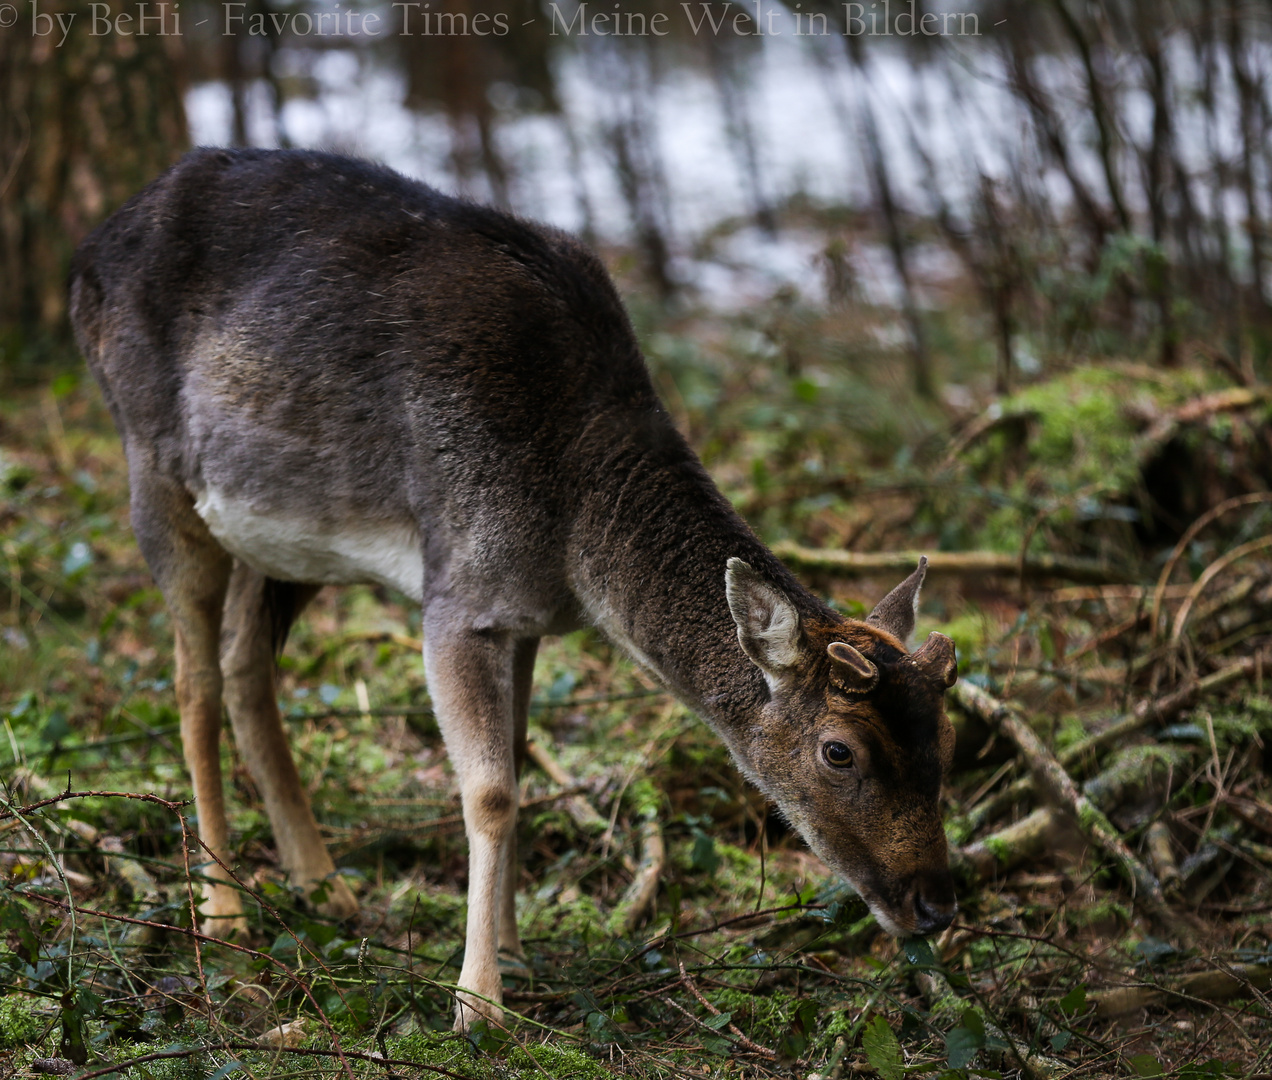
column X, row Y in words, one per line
column 1145, row 1065
column 55, row 728
column 961, row 1045
column 64, row 384
column 713, row 1044
column 225, row 1070
column 975, row 1023
column 882, row 1050
column 715, row 1023
column 1074, row 1001
column 1061, row 1039
column 704, row 856
column 919, row 952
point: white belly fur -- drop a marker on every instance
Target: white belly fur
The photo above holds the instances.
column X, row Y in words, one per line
column 296, row 549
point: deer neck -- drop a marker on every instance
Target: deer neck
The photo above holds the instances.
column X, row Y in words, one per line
column 649, row 566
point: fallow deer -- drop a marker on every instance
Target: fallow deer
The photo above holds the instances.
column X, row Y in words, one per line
column 323, row 372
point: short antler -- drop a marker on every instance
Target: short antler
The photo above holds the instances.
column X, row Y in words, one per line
column 937, row 660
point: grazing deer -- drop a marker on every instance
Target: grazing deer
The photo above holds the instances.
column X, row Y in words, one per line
column 323, row 372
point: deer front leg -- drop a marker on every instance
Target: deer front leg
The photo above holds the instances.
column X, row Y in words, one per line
column 470, row 678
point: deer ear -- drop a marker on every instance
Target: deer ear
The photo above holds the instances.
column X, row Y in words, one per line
column 768, row 624
column 852, row 670
column 937, row 660
column 896, row 611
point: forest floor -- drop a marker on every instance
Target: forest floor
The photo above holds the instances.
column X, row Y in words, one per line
column 1110, row 811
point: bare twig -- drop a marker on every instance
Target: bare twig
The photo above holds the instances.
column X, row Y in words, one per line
column 1147, row 711
column 746, row 1044
column 1007, row 848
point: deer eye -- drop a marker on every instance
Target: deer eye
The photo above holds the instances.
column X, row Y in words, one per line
column 837, row 755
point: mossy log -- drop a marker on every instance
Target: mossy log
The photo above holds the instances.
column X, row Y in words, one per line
column 1008, row 848
column 1210, row 986
column 956, row 563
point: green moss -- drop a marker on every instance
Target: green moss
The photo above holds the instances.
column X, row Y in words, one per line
column 19, row 1022
column 995, row 846
column 1250, row 720
column 558, row 1062
column 445, row 1050
column 1072, row 455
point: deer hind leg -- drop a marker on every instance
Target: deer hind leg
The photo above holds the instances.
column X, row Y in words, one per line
column 258, row 613
column 522, row 682
column 470, row 678
column 192, row 571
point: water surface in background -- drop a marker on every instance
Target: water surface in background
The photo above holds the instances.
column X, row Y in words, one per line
column 802, row 101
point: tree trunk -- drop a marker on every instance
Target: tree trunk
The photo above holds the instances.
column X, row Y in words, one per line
column 86, row 119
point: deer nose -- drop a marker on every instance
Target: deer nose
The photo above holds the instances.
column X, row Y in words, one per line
column 934, row 909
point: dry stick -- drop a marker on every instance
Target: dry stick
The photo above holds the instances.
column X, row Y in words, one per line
column 1162, row 857
column 68, row 794
column 1094, row 825
column 966, row 563
column 582, row 811
column 1208, row 575
column 1177, row 552
column 1146, row 712
column 743, row 1041
column 1208, row 986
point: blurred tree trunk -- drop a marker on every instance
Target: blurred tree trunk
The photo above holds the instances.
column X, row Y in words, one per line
column 85, row 121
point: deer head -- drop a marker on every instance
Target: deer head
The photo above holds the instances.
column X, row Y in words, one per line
column 853, row 741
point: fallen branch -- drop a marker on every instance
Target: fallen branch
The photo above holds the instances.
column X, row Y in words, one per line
column 1147, row 711
column 1006, row 849
column 638, row 901
column 1160, row 433
column 1208, row 986
column 582, row 811
column 1090, row 820
column 964, row 563
column 1160, row 854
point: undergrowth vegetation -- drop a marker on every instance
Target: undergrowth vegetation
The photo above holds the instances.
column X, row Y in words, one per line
column 1065, row 959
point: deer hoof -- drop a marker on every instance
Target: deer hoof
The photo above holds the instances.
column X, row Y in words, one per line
column 332, row 897
column 471, row 1011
